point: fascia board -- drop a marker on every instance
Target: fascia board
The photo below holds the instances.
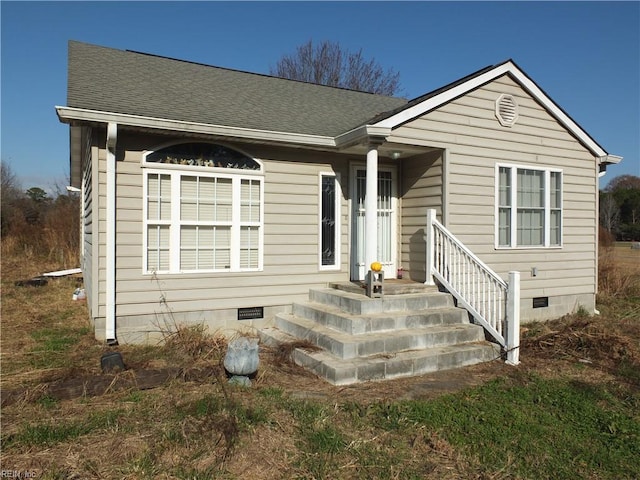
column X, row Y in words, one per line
column 610, row 159
column 506, row 68
column 360, row 134
column 440, row 99
column 68, row 114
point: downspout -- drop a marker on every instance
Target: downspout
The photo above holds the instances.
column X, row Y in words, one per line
column 110, row 320
column 601, row 170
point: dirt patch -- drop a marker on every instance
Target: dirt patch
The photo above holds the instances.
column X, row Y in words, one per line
column 97, row 385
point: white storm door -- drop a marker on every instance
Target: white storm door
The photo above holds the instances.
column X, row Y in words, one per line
column 386, row 253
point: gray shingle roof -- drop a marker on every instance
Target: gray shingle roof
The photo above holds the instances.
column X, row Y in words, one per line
column 119, row 81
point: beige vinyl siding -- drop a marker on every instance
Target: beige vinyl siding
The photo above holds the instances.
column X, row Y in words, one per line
column 291, row 251
column 421, row 189
column 90, row 255
column 476, row 141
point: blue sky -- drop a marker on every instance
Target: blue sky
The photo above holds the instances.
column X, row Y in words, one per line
column 584, row 55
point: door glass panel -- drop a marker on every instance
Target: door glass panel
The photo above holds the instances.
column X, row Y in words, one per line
column 385, row 217
column 361, row 187
column 328, row 220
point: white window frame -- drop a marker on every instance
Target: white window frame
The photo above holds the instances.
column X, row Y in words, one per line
column 514, row 206
column 338, row 230
column 175, row 173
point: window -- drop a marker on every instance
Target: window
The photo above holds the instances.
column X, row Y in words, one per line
column 529, row 207
column 203, row 210
column 329, row 221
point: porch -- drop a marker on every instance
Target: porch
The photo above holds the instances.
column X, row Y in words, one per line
column 411, row 328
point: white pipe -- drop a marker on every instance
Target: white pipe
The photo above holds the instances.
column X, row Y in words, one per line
column 110, row 320
column 512, row 339
column 371, row 209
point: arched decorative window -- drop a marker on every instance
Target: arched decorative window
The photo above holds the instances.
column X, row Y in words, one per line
column 203, row 155
column 203, row 210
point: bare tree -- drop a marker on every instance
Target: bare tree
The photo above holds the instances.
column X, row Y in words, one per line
column 329, row 64
column 609, row 212
column 623, row 182
column 625, row 190
column 10, row 194
column 9, row 185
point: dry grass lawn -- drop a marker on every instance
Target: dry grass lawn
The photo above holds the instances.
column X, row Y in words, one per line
column 288, row 424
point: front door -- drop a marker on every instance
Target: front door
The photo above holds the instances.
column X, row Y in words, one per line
column 386, row 222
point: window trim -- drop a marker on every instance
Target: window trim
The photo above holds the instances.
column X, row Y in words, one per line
column 176, row 172
column 338, row 231
column 513, row 243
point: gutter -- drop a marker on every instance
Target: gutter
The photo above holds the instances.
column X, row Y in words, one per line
column 358, row 135
column 362, row 134
column 609, row 159
column 110, row 320
column 605, row 160
column 70, row 114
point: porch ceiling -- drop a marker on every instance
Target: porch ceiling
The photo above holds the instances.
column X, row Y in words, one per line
column 388, row 149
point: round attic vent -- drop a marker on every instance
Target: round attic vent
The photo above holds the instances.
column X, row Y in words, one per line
column 506, row 110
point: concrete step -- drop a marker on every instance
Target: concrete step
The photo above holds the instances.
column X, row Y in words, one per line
column 391, row 287
column 347, row 346
column 334, row 317
column 358, row 304
column 411, row 332
column 338, row 371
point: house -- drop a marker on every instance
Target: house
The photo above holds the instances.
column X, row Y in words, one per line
column 221, row 197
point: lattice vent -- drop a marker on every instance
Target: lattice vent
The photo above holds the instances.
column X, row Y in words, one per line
column 506, row 110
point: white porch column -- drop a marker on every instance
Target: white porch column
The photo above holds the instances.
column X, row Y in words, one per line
column 371, row 208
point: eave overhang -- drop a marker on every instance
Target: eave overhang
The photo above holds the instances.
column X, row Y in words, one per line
column 73, row 115
column 345, row 143
column 610, row 159
column 360, row 135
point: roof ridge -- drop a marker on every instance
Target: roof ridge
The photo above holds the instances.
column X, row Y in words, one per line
column 265, row 75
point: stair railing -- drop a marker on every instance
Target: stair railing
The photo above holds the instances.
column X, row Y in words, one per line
column 493, row 303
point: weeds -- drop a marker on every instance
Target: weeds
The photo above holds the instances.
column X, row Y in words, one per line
column 602, row 342
column 145, row 466
column 52, row 343
column 52, row 433
column 284, row 350
column 191, row 343
column 47, row 402
column 618, row 273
